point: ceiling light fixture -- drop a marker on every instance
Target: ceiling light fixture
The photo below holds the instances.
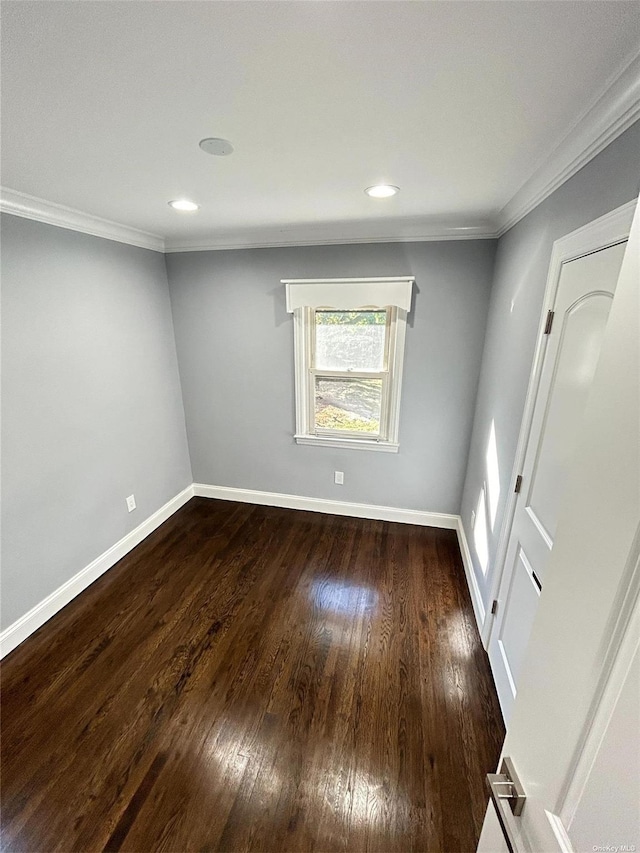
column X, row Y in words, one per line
column 217, row 147
column 184, row 205
column 382, row 191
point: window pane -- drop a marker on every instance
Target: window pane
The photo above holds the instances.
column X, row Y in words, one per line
column 350, row 340
column 348, row 404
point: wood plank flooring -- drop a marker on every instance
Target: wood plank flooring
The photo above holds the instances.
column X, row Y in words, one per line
column 253, row 678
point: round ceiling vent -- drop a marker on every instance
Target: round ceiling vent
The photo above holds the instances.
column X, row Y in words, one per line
column 218, row 147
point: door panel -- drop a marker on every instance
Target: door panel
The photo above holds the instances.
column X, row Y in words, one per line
column 580, row 339
column 520, row 609
column 582, row 304
column 607, row 810
column 572, row 738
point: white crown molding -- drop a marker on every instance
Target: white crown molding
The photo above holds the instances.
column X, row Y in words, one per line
column 41, row 210
column 30, row 207
column 432, row 232
column 48, row 607
column 613, row 112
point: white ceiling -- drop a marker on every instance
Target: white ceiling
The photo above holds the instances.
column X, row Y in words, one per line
column 458, row 103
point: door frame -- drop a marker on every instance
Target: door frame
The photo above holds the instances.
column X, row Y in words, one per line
column 623, row 638
column 607, row 230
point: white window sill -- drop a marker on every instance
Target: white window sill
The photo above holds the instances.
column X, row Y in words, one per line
column 348, row 443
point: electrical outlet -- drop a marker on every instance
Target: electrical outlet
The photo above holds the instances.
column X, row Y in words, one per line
column 338, row 478
column 131, row 503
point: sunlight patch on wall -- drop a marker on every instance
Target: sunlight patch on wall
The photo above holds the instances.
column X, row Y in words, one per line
column 480, row 532
column 493, row 475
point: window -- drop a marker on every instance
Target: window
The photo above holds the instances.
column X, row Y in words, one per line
column 349, row 346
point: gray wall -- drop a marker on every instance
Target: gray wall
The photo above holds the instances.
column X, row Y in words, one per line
column 91, row 402
column 522, row 263
column 235, row 352
column 91, row 394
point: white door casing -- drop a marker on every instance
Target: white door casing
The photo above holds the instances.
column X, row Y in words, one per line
column 581, row 308
column 492, row 838
column 611, row 228
column 574, row 724
column 602, row 798
column 606, row 231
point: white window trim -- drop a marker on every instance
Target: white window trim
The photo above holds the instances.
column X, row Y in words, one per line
column 303, row 360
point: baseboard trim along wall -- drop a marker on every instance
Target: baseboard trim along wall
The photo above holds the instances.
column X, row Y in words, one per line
column 357, row 510
column 472, row 583
column 42, row 612
column 381, row 513
column 48, row 607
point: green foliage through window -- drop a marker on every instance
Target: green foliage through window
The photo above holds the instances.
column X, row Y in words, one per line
column 351, row 318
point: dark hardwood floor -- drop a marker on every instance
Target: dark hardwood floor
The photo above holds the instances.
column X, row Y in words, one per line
column 252, row 678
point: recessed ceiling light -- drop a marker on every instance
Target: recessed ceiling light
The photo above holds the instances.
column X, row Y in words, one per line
column 218, row 147
column 382, row 191
column 183, row 204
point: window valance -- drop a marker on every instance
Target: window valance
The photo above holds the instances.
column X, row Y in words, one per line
column 349, row 294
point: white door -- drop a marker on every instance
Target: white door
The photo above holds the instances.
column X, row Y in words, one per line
column 573, row 737
column 581, row 308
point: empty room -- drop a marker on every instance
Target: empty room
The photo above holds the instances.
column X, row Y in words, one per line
column 320, row 426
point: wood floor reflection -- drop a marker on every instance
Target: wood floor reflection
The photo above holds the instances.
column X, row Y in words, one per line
column 253, row 678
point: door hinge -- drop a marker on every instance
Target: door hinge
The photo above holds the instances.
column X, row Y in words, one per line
column 549, row 323
column 518, row 485
column 494, row 607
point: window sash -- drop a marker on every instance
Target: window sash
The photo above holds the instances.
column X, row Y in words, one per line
column 350, row 374
column 387, row 329
column 383, row 375
column 381, row 435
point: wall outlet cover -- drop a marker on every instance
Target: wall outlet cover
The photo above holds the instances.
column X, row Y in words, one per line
column 131, row 503
column 338, row 478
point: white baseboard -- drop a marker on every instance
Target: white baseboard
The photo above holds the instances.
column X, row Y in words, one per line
column 42, row 612
column 381, row 513
column 472, row 583
column 356, row 510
